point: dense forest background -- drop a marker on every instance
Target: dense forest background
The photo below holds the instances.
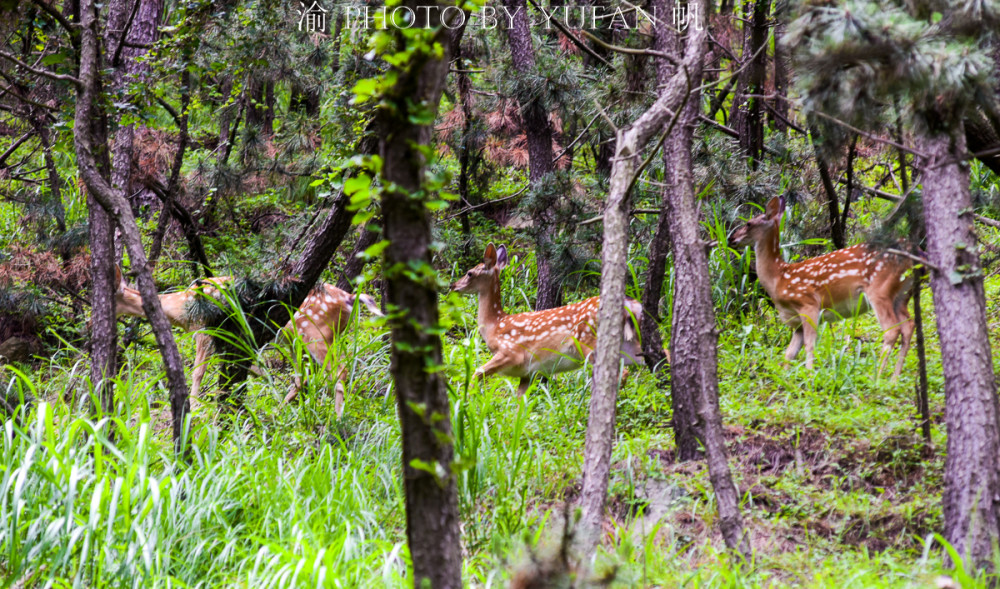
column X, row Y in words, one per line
column 161, row 145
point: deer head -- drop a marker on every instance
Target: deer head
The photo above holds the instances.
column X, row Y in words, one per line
column 761, row 226
column 481, row 278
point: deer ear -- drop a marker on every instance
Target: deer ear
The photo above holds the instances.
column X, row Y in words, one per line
column 119, row 280
column 490, row 258
column 502, row 257
column 775, row 207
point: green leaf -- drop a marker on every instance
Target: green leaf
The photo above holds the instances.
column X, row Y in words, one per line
column 357, row 184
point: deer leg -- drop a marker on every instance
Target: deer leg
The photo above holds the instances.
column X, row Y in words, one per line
column 891, row 329
column 498, row 362
column 906, row 327
column 339, row 390
column 795, row 345
column 810, row 323
column 293, row 391
column 202, row 349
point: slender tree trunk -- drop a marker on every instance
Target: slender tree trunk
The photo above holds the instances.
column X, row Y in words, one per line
column 432, row 522
column 88, row 149
column 746, row 113
column 629, row 144
column 538, row 130
column 833, row 203
column 972, row 465
column 694, row 367
column 781, row 60
column 55, row 180
column 139, row 21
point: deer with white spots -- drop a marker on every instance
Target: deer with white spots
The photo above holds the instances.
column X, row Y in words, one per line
column 325, row 313
column 843, row 283
column 542, row 342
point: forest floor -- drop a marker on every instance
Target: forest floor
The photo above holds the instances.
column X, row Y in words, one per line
column 839, row 488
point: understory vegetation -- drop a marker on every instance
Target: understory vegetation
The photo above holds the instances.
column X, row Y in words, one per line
column 837, row 484
column 286, row 146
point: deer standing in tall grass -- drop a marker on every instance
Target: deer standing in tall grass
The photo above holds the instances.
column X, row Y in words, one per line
column 541, row 342
column 324, row 314
column 843, row 283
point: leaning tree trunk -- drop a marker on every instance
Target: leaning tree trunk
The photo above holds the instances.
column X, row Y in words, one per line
column 88, row 147
column 628, row 146
column 972, row 466
column 538, row 131
column 432, row 521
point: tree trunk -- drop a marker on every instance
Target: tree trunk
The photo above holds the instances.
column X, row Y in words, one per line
column 538, row 131
column 677, row 147
column 432, row 522
column 746, row 112
column 972, row 487
column 833, row 203
column 781, row 61
column 694, row 338
column 55, row 180
column 139, row 21
column 601, row 424
column 103, row 329
column 88, row 148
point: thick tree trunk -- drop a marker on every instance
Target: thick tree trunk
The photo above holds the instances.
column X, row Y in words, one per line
column 432, row 522
column 88, row 148
column 694, row 338
column 972, row 466
column 676, row 148
column 103, row 329
column 538, row 130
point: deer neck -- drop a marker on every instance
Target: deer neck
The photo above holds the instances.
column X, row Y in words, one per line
column 490, row 310
column 770, row 264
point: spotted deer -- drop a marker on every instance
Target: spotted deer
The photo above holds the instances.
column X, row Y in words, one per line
column 324, row 314
column 843, row 283
column 543, row 342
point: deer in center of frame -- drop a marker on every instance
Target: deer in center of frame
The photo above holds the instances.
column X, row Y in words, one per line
column 842, row 283
column 546, row 342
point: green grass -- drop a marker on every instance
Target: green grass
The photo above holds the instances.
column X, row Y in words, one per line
column 838, row 492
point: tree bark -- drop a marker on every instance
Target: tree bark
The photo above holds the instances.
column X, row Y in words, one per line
column 114, row 203
column 676, row 148
column 432, row 522
column 600, row 427
column 103, row 329
column 138, row 21
column 833, row 203
column 781, row 60
column 972, row 465
column 538, row 131
column 746, row 112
